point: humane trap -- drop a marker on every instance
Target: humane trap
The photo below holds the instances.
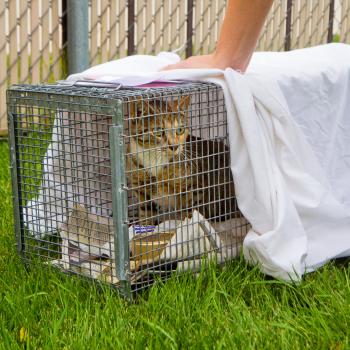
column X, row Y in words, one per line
column 123, row 185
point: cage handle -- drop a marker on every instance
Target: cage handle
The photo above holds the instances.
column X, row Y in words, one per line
column 90, row 83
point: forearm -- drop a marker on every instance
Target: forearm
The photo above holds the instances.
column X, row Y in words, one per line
column 240, row 32
column 238, row 37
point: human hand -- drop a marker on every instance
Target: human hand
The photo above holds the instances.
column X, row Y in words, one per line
column 206, row 61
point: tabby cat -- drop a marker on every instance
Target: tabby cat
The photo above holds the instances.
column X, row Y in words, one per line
column 171, row 171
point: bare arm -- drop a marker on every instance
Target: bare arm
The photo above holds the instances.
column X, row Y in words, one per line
column 238, row 37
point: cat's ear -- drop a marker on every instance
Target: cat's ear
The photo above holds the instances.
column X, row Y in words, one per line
column 149, row 107
column 185, row 101
column 142, row 107
column 133, row 108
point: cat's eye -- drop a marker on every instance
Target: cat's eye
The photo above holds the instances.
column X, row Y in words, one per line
column 157, row 131
column 180, row 130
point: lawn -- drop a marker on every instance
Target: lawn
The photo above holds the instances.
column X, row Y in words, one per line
column 233, row 307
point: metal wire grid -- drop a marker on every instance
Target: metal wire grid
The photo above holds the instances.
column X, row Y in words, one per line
column 31, row 44
column 152, row 26
column 273, row 34
column 118, row 28
column 61, row 137
column 193, row 197
column 207, row 19
column 311, row 23
column 62, row 176
column 342, row 21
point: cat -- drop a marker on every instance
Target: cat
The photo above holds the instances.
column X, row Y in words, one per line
column 169, row 170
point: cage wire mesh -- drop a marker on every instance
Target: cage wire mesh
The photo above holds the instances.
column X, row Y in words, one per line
column 125, row 186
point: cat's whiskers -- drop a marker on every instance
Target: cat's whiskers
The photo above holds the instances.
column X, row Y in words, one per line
column 161, row 158
column 187, row 156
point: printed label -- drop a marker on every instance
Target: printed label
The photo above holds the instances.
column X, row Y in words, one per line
column 143, row 229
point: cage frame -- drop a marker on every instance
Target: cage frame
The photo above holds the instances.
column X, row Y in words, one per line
column 119, row 186
column 15, row 182
column 117, row 151
column 120, row 200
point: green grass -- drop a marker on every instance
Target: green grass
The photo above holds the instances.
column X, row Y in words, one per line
column 235, row 307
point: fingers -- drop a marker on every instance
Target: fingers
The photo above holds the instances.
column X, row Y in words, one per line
column 205, row 61
column 169, row 67
column 180, row 65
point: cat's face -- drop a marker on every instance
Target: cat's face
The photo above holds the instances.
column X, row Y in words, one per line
column 160, row 127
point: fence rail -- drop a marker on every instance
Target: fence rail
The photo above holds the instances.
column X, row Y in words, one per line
column 33, row 33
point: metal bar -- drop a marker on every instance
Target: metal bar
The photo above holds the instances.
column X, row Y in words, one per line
column 131, row 27
column 120, row 202
column 16, row 192
column 330, row 22
column 78, row 36
column 189, row 30
column 287, row 40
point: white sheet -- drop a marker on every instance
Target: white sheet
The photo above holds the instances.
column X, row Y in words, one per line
column 316, row 85
column 296, row 197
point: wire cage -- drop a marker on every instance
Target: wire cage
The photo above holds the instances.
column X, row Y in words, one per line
column 123, row 185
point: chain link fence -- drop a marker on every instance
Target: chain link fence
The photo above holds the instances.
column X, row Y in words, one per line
column 33, row 34
column 32, row 43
